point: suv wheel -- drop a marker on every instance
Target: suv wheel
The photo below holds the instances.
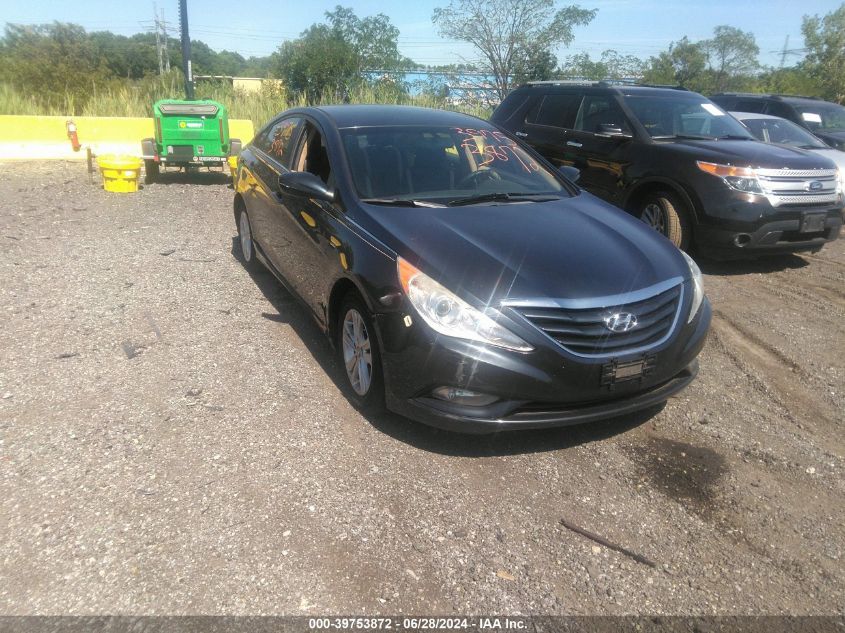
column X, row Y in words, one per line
column 667, row 215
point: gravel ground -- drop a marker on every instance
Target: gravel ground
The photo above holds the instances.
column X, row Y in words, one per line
column 173, row 441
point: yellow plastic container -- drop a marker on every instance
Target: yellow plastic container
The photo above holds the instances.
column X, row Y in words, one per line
column 233, row 167
column 120, row 173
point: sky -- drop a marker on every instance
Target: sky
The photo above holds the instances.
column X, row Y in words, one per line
column 256, row 27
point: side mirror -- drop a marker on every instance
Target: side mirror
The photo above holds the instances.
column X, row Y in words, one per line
column 306, row 185
column 612, row 130
column 570, row 173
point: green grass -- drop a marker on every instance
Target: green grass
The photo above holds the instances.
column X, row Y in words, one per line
column 136, row 99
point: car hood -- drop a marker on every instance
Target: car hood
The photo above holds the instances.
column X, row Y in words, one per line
column 831, row 137
column 748, row 154
column 837, row 156
column 574, row 248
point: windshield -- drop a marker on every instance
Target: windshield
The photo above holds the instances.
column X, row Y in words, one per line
column 823, row 116
column 670, row 116
column 783, row 132
column 441, row 164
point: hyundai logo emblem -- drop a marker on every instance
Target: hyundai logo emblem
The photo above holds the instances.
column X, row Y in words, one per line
column 815, row 185
column 621, row 322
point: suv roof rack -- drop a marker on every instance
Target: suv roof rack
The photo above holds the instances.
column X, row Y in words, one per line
column 566, row 82
column 764, row 94
column 602, row 83
column 670, row 86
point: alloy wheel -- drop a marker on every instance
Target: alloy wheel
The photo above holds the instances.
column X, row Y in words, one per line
column 246, row 237
column 357, row 352
column 655, row 217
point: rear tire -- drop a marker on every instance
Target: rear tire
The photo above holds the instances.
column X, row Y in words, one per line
column 667, row 215
column 151, row 172
column 359, row 355
column 246, row 244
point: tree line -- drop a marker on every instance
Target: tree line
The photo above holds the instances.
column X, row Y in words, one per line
column 514, row 40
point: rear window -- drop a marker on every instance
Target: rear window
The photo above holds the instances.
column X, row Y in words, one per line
column 750, row 105
column 555, row 111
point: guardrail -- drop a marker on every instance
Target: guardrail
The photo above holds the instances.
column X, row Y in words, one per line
column 24, row 137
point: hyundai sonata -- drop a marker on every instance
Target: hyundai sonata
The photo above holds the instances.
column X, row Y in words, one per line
column 463, row 281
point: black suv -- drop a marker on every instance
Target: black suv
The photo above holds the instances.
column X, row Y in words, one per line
column 824, row 119
column 682, row 165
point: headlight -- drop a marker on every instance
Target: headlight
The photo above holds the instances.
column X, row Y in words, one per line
column 450, row 315
column 739, row 178
column 697, row 287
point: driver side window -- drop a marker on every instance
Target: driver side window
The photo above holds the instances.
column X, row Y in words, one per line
column 312, row 155
column 598, row 111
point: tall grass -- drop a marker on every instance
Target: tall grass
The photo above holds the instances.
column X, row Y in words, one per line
column 136, row 99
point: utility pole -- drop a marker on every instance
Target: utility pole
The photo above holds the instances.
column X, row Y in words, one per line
column 164, row 43
column 785, row 51
column 186, row 49
column 158, row 40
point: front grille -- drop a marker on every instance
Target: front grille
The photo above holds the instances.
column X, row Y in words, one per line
column 583, row 330
column 792, row 187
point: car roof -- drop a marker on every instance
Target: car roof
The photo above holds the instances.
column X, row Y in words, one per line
column 767, row 95
column 617, row 88
column 742, row 116
column 346, row 116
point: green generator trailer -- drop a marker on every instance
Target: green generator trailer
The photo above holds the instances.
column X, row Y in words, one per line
column 188, row 134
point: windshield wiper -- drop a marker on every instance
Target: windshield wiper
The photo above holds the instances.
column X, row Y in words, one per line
column 503, row 197
column 402, row 202
column 736, row 137
column 694, row 137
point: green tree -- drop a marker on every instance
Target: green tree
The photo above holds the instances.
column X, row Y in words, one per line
column 333, row 57
column 824, row 39
column 731, row 57
column 535, row 64
column 317, row 62
column 683, row 64
column 57, row 62
column 510, row 35
column 795, row 80
column 611, row 65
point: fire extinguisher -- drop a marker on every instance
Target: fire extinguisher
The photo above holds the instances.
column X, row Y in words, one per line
column 71, row 134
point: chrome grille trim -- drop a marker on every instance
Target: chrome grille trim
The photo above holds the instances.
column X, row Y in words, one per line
column 579, row 329
column 791, row 186
column 815, row 174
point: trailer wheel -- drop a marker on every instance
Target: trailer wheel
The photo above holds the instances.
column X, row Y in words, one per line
column 150, row 172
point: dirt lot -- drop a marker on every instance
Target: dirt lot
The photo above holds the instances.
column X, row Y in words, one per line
column 173, row 440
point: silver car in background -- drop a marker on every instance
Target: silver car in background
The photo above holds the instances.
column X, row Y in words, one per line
column 773, row 129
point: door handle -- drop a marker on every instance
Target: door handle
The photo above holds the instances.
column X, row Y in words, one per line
column 521, row 134
column 574, row 144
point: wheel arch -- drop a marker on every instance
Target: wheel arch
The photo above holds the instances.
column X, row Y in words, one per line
column 342, row 287
column 652, row 185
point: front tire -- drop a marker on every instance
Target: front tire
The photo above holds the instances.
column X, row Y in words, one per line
column 667, row 215
column 359, row 355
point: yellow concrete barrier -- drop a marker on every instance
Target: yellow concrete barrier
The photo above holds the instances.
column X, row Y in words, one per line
column 45, row 137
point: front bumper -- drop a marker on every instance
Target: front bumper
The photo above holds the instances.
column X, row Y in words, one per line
column 736, row 225
column 544, row 388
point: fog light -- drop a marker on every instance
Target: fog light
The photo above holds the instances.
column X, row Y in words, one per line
column 463, row 396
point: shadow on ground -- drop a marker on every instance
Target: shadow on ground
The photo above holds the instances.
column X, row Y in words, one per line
column 192, row 178
column 766, row 264
column 291, row 312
